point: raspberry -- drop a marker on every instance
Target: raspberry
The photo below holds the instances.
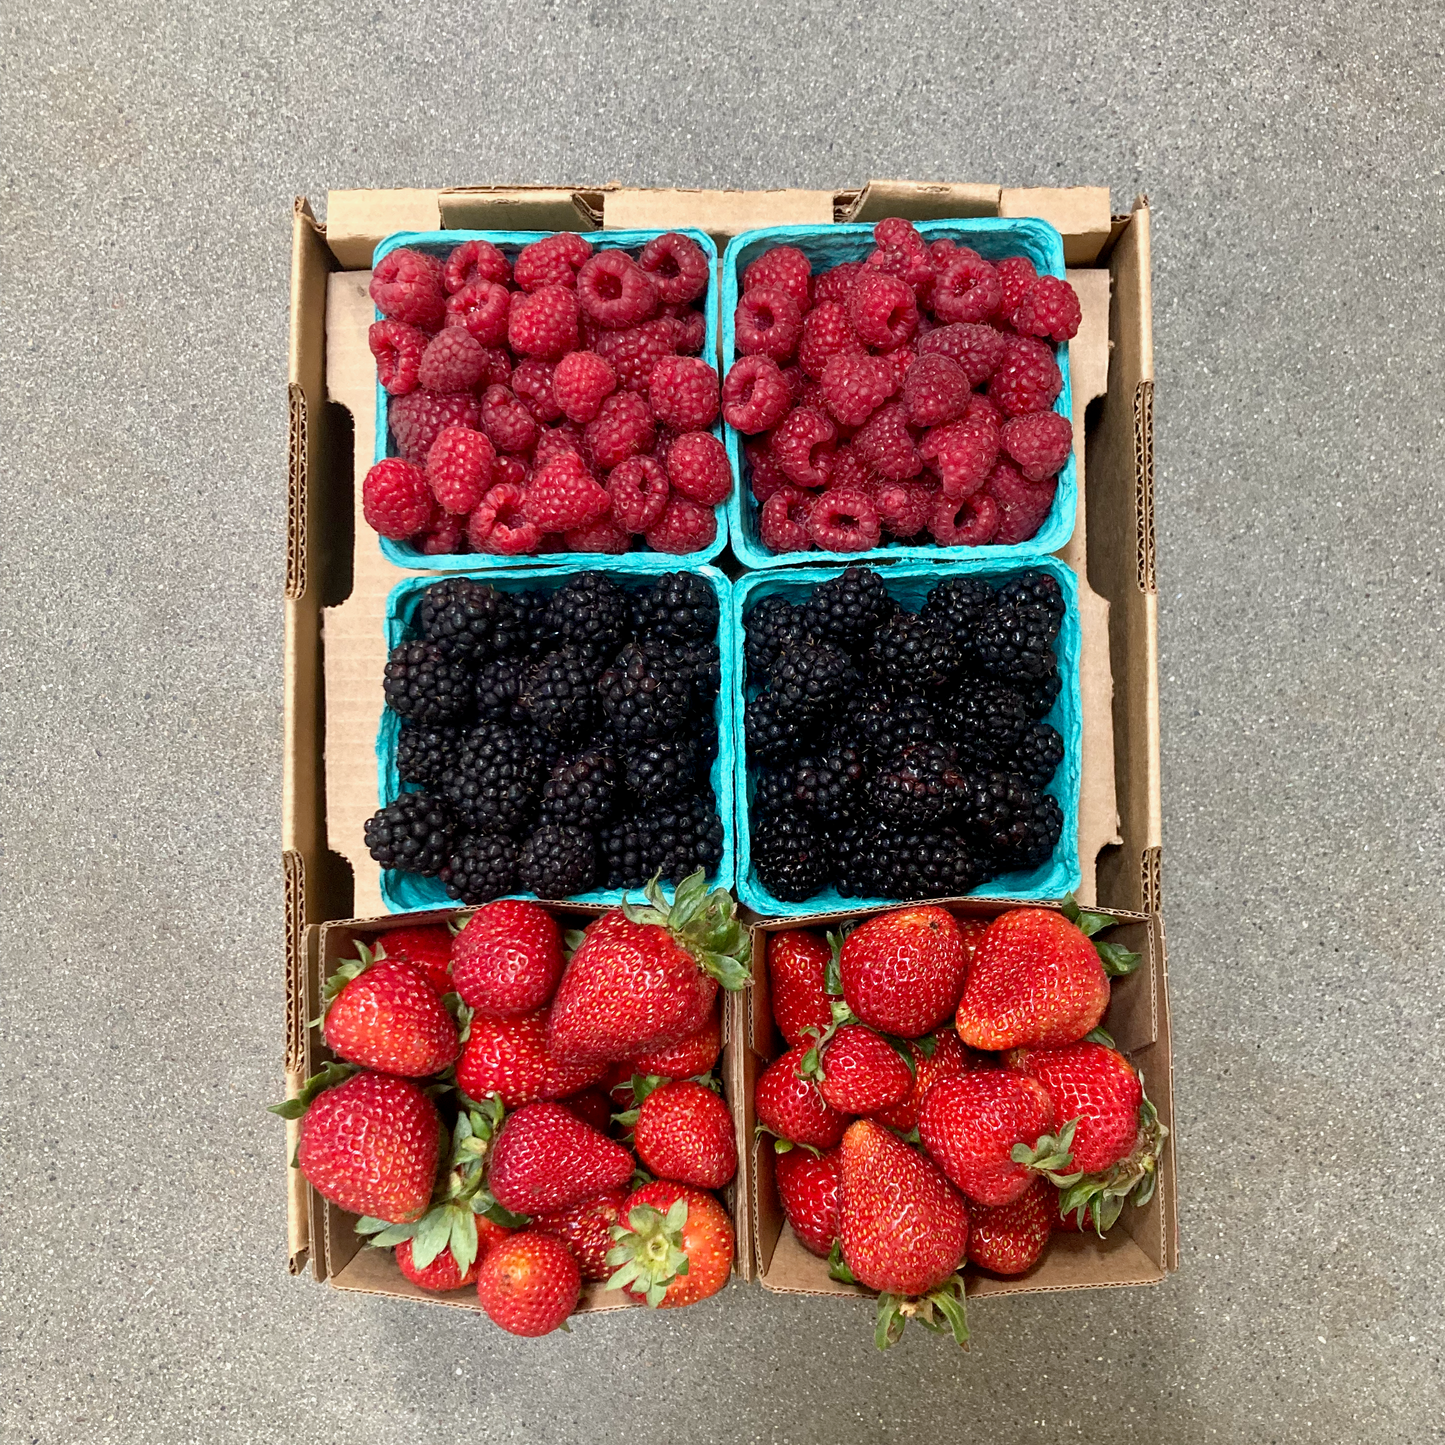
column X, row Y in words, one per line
column 767, row 322
column 509, row 424
column 509, row 472
column 944, row 250
column 1049, row 308
column 543, row 323
column 553, row 261
column 615, row 291
column 499, row 367
column 803, row 447
column 765, row 475
column 835, row 285
column 447, row 535
column 982, row 409
column 582, row 381
column 603, row 535
column 786, row 268
column 976, row 348
column 967, row 289
column 677, row 265
column 1039, row 442
column 691, row 332
column 395, row 499
column 904, row 507
column 1027, row 378
column 633, row 353
column 407, row 286
column 826, row 332
column 550, row 441
column 682, row 392
column 755, row 394
column 935, row 391
column 475, row 261
column 886, row 444
column 639, row 491
column 499, row 525
column 783, row 523
column 1022, row 505
column 459, row 468
column 902, row 362
column 482, row 309
column 685, row 526
column 622, row 428
column 901, row 252
column 962, row 454
column 398, row 349
column 970, row 522
column 842, row 520
column 697, row 467
column 856, row 385
column 1016, row 276
column 793, row 375
column 882, row 310
column 850, row 470
column 532, row 384
column 454, row 360
column 416, row 419
column 564, row 495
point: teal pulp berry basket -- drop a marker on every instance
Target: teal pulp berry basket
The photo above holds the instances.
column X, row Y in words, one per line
column 407, row 892
column 827, row 246
column 909, row 583
column 440, row 244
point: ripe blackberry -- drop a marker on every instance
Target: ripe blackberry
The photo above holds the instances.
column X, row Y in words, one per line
column 499, row 688
column 621, row 848
column 683, row 836
column 809, row 679
column 913, row 654
column 1034, row 588
column 863, row 861
column 557, row 861
column 771, row 625
column 986, row 720
column 483, row 866
column 1016, row 640
column 591, row 608
column 936, row 865
column 830, row 785
column 414, row 833
column 466, row 618
column 890, row 723
column 1009, row 820
column 1038, row 755
column 560, row 692
column 770, row 734
column 790, row 854
column 772, row 788
column 422, row 683
column 580, row 789
column 678, row 605
column 847, row 610
column 496, row 780
column 646, row 694
column 533, row 634
column 956, row 607
column 425, row 751
column 921, row 785
column 1039, row 694
column 661, row 769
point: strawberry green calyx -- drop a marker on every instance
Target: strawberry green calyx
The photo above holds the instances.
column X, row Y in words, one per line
column 1117, row 960
column 1052, row 1154
column 705, row 923
column 328, row 1077
column 1100, row 1036
column 833, row 974
column 646, row 1256
column 461, row 1016
column 811, row 1066
column 782, row 1145
column 939, row 1310
column 353, row 968
column 641, row 1085
column 838, row 1267
column 1135, row 1176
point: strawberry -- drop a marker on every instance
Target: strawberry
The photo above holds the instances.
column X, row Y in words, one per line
column 903, row 1230
column 902, row 972
column 808, row 1188
column 935, row 1056
column 1009, row 1238
column 789, row 1104
column 427, row 947
column 859, row 1072
column 798, row 967
column 684, row 1132
column 529, row 1284
column 971, row 930
column 586, row 1229
column 592, row 1106
column 674, row 1245
column 507, row 959
column 509, row 1058
column 387, row 1016
column 444, row 1273
column 545, row 1157
column 645, row 978
column 688, row 1058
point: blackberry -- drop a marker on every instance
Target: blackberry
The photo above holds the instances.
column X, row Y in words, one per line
column 703, row 664
column 894, row 723
column 830, row 785
column 921, row 785
column 1039, row 694
column 848, row 609
column 557, row 861
column 1010, row 820
column 681, row 606
column 560, row 692
column 422, row 683
column 956, row 607
column 1037, row 589
column 1034, row 835
column 661, row 769
column 986, row 720
column 495, row 780
column 424, row 751
column 790, row 854
column 499, row 687
column 936, row 865
column 809, row 679
column 683, row 836
column 590, row 608
column 580, row 789
column 622, row 851
column 533, row 635
column 772, row 624
column 862, row 862
column 483, row 866
column 1017, row 641
column 772, row 788
column 645, row 693
column 770, row 736
column 912, row 653
column 414, row 832
column 1038, row 755
column 467, row 618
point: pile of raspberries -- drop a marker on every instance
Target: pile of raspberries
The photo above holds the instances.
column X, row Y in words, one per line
column 554, row 404
column 906, row 396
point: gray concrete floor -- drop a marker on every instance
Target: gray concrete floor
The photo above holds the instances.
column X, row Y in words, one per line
column 1294, row 158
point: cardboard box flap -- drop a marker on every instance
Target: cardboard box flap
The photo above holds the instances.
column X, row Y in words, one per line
column 916, row 201
column 357, row 220
column 519, row 208
column 720, row 213
column 1079, row 213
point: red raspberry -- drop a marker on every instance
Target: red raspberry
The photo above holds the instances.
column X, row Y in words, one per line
column 683, row 393
column 882, row 310
column 904, row 508
column 499, row 525
column 978, row 349
column 767, row 322
column 1040, row 443
column 622, row 428
column 532, row 383
column 633, row 353
column 397, row 348
column 615, row 291
column 697, row 467
column 843, row 520
column 582, row 382
column 982, row 409
column 793, row 375
column 786, row 268
column 962, row 454
column 564, row 495
column 395, row 499
column 509, row 424
column 765, row 476
column 901, row 252
column 901, row 361
column 835, row 285
column 454, row 360
column 448, row 534
column 1027, row 379
column 459, row 468
column 969, row 522
column 677, row 266
column 691, row 332
column 543, row 323
column 407, row 286
column 967, row 289
column 886, row 444
column 475, row 261
column 509, row 472
column 499, row 367
column 417, row 418
column 783, row 522
column 1049, row 308
column 1016, row 277
column 852, row 472
column 552, row 440
column 755, row 395
column 855, row 386
column 553, row 261
column 603, row 535
column 826, row 332
column 639, row 492
column 1022, row 505
column 803, row 447
column 944, row 250
column 935, row 391
column 685, row 526
column 482, row 308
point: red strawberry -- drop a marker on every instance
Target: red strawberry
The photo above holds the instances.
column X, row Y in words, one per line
column 645, row 978
column 971, row 930
column 861, row 1072
column 586, row 1229
column 592, row 1106
column 797, row 978
column 510, row 1058
column 790, row 1105
column 529, row 1284
column 1009, row 1238
column 428, row 948
column 546, row 1157
column 684, row 1132
column 674, row 1246
column 808, row 1188
column 937, row 1056
column 443, row 1273
column 902, row 972
column 508, row 958
column 903, row 1228
column 687, row 1058
column 388, row 1017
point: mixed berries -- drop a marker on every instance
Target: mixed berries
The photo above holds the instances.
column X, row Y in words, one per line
column 906, row 397
column 555, row 403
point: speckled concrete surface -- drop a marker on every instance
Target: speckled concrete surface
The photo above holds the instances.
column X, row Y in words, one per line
column 1294, row 159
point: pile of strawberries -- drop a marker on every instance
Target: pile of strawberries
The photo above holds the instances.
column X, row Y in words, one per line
column 907, row 396
column 554, row 404
column 466, row 1120
column 948, row 1096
